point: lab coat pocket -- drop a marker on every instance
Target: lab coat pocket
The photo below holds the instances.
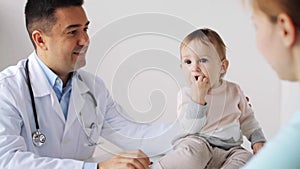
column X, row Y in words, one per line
column 86, row 143
column 92, row 134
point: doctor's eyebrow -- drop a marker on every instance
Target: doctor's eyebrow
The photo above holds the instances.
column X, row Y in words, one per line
column 77, row 25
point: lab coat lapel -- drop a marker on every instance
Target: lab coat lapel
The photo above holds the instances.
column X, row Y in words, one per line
column 77, row 101
column 41, row 86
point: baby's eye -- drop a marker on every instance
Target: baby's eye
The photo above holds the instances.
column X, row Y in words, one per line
column 187, row 61
column 203, row 60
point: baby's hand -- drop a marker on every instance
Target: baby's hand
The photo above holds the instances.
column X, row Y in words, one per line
column 199, row 88
column 257, row 146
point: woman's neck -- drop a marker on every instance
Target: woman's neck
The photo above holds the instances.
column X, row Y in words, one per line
column 296, row 55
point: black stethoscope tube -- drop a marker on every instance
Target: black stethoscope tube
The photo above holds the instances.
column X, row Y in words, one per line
column 38, row 138
column 31, row 96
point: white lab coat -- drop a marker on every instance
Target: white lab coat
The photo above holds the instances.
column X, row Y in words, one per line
column 67, row 145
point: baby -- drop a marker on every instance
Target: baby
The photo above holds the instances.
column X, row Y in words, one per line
column 213, row 112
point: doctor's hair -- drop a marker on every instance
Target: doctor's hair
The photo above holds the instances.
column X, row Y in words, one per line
column 40, row 14
column 206, row 36
column 272, row 8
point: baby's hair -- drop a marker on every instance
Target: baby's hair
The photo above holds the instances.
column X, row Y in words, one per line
column 206, row 36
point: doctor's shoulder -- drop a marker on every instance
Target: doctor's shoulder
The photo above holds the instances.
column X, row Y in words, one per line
column 12, row 88
column 12, row 71
column 94, row 82
column 12, row 75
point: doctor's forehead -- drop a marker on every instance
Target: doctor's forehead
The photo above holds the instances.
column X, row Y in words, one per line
column 68, row 17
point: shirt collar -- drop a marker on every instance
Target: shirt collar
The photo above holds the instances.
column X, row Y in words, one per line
column 52, row 78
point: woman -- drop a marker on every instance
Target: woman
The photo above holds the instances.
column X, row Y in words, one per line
column 277, row 25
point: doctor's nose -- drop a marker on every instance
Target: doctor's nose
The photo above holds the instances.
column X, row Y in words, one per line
column 84, row 39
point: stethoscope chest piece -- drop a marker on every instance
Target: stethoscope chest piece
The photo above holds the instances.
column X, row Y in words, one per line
column 38, row 138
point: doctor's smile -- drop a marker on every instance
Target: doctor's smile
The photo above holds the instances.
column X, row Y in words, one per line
column 80, row 53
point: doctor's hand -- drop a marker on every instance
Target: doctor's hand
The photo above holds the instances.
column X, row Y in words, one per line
column 126, row 160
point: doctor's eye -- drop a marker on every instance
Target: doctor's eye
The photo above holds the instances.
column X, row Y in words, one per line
column 187, row 61
column 72, row 32
column 85, row 29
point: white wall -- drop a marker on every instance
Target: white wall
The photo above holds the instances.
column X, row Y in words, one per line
column 134, row 47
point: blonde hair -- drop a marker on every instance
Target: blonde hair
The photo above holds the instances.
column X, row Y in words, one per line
column 273, row 7
column 206, row 36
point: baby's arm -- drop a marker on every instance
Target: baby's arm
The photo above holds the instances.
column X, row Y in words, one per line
column 191, row 115
column 250, row 126
column 256, row 146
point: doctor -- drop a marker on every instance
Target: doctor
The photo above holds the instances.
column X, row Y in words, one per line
column 52, row 113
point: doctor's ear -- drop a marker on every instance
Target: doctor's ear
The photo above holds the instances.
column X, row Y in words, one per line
column 39, row 39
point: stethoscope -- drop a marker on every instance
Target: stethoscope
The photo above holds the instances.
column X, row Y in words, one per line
column 39, row 139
